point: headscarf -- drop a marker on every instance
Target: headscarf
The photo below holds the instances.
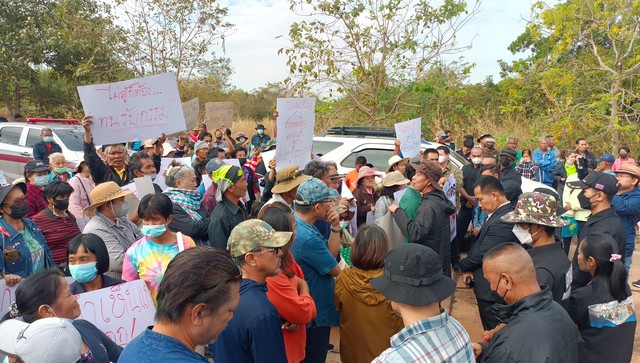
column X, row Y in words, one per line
column 225, row 177
column 188, row 199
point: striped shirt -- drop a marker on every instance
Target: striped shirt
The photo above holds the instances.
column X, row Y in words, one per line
column 437, row 339
column 57, row 231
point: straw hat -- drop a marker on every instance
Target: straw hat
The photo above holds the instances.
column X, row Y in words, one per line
column 393, row 161
column 288, row 178
column 104, row 193
column 394, row 178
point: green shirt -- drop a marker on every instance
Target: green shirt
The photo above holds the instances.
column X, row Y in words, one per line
column 36, row 249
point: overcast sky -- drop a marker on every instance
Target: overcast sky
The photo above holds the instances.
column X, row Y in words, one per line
column 253, row 46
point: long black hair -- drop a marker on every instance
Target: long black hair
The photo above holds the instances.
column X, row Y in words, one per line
column 610, row 277
column 38, row 289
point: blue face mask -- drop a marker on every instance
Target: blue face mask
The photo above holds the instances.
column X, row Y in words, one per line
column 84, row 273
column 47, row 139
column 41, row 180
column 153, row 176
column 60, row 170
column 153, row 231
column 260, row 131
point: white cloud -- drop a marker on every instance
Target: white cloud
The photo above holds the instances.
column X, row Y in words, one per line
column 253, row 47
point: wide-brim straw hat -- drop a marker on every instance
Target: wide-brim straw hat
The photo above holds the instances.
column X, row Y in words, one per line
column 104, row 193
column 394, row 178
column 393, row 161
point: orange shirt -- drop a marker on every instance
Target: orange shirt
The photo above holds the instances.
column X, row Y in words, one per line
column 297, row 309
column 351, row 178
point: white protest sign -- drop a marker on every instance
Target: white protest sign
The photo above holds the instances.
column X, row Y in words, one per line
column 449, row 189
column 234, row 162
column 206, row 181
column 144, row 186
column 136, row 109
column 296, row 120
column 398, row 195
column 164, row 164
column 191, row 112
column 7, row 296
column 122, row 311
column 267, row 156
column 409, row 133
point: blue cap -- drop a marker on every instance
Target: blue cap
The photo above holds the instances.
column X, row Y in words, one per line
column 314, row 190
column 607, row 158
column 213, row 165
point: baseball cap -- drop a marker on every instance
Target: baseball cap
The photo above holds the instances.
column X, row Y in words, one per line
column 599, row 181
column 413, row 276
column 440, row 133
column 431, row 170
column 35, row 166
column 47, row 340
column 484, row 136
column 489, row 139
column 213, row 165
column 607, row 158
column 509, row 152
column 314, row 190
column 254, row 233
column 629, row 169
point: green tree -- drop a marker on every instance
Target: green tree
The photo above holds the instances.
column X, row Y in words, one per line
column 370, row 51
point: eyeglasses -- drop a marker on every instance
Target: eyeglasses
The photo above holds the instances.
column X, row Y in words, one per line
column 269, row 249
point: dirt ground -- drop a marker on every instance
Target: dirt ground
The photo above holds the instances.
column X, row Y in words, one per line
column 462, row 305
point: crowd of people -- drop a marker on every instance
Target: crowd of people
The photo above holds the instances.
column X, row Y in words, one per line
column 264, row 261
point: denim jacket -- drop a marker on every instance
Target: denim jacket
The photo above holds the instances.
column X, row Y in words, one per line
column 23, row 266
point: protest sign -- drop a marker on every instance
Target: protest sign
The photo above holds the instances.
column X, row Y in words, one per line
column 218, row 114
column 191, row 111
column 409, row 133
column 449, row 189
column 122, row 311
column 164, row 163
column 267, row 156
column 7, row 296
column 136, row 109
column 235, row 162
column 296, row 121
column 398, row 195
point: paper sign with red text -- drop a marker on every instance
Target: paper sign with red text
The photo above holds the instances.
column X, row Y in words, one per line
column 296, row 121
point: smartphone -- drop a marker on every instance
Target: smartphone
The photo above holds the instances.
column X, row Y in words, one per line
column 11, row 255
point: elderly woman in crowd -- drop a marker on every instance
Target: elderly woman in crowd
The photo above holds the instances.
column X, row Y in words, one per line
column 23, row 244
column 288, row 291
column 398, row 163
column 391, row 183
column 192, row 308
column 367, row 321
column 110, row 223
column 189, row 215
column 56, row 223
column 47, row 295
column 58, row 166
column 82, row 185
column 366, row 197
column 36, row 175
column 147, row 258
column 88, row 261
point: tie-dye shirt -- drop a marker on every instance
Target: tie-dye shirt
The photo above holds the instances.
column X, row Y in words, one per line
column 148, row 261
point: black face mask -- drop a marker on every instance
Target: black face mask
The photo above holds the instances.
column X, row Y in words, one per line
column 623, row 156
column 19, row 211
column 61, row 204
column 504, row 161
column 585, row 203
column 218, row 138
column 496, row 295
column 490, row 146
column 242, row 161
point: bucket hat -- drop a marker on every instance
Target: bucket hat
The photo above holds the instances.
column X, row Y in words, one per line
column 535, row 208
column 629, row 169
column 394, row 178
column 314, row 190
column 412, row 275
column 431, row 170
column 288, row 178
column 366, row 171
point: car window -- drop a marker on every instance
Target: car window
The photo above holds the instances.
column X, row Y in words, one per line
column 73, row 139
column 33, row 137
column 378, row 157
column 10, row 135
column 323, row 147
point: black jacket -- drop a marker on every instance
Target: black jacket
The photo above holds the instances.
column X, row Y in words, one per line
column 510, row 173
column 492, row 233
column 607, row 222
column 552, row 267
column 224, row 217
column 182, row 222
column 431, row 226
column 41, row 153
column 537, row 330
column 470, row 174
column 558, row 174
column 100, row 172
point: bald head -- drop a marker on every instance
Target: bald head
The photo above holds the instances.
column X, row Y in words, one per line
column 510, row 270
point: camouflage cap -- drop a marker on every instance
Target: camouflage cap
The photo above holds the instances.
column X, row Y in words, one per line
column 535, row 208
column 254, row 233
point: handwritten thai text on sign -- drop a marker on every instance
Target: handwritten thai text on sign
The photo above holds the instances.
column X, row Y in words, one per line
column 191, row 111
column 137, row 109
column 219, row 114
column 409, row 134
column 449, row 189
column 122, row 311
column 296, row 121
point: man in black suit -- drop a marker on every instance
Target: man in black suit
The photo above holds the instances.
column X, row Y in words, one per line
column 491, row 198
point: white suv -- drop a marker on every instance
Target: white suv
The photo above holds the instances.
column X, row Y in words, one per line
column 344, row 144
column 17, row 140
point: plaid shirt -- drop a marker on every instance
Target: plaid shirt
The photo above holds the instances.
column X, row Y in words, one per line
column 437, row 339
column 528, row 169
column 36, row 200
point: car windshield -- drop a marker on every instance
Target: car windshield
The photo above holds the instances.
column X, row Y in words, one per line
column 323, row 147
column 72, row 138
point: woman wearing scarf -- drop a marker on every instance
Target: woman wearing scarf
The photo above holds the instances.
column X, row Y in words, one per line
column 189, row 215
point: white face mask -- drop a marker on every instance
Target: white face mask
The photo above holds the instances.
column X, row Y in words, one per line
column 523, row 235
column 442, row 159
column 476, row 161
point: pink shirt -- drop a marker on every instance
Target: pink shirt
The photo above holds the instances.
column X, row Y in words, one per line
column 619, row 162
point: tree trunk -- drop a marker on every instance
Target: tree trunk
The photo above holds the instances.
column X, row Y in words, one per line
column 613, row 117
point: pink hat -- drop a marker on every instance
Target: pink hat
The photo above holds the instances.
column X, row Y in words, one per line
column 366, row 171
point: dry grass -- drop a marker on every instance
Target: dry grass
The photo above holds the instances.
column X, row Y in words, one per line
column 248, row 126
